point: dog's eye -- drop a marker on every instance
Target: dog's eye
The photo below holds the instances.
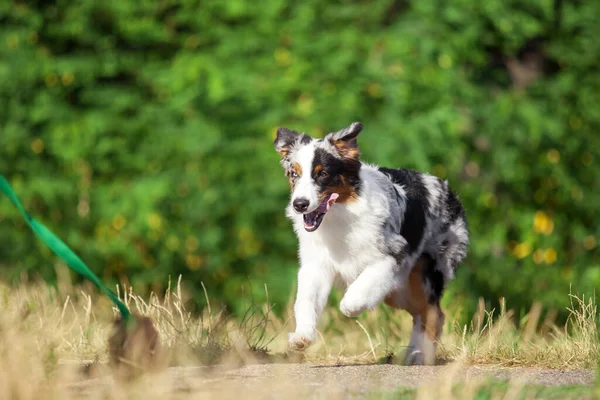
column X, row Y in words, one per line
column 323, row 174
column 294, row 175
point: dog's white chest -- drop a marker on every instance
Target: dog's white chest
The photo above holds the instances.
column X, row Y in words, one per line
column 347, row 242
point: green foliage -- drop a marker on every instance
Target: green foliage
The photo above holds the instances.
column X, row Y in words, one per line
column 141, row 132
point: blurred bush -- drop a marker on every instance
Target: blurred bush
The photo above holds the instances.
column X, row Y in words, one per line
column 141, row 132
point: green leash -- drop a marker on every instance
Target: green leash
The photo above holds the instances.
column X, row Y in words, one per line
column 61, row 249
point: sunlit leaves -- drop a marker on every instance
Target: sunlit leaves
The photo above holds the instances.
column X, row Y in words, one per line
column 142, row 132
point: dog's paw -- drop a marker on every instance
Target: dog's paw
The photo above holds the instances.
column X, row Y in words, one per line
column 413, row 357
column 418, row 357
column 298, row 341
column 351, row 308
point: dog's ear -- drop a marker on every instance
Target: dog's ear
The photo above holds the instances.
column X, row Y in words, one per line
column 345, row 140
column 286, row 138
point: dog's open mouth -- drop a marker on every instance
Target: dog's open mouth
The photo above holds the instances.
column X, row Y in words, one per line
column 313, row 220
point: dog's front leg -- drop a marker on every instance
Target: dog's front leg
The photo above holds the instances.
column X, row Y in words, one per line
column 371, row 287
column 314, row 285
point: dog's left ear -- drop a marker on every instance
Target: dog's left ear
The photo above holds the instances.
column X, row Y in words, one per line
column 345, row 140
column 284, row 140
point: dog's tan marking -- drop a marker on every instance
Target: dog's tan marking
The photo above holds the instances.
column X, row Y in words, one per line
column 297, row 169
column 431, row 315
column 284, row 151
column 428, row 318
column 346, row 149
column 346, row 192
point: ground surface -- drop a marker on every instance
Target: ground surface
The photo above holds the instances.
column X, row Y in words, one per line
column 329, row 381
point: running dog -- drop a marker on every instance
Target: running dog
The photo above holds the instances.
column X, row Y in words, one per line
column 387, row 235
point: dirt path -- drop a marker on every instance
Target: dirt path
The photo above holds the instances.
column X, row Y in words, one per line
column 293, row 381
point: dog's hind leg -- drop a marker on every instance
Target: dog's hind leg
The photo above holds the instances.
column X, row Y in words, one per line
column 425, row 285
column 427, row 328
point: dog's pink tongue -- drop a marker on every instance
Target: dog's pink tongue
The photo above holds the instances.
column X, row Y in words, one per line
column 326, row 205
column 332, row 198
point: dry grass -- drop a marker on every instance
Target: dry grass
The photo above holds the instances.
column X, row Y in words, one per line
column 45, row 336
column 492, row 337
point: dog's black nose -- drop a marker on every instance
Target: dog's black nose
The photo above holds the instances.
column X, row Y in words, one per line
column 301, row 204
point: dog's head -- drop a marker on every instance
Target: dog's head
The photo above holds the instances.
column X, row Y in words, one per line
column 321, row 171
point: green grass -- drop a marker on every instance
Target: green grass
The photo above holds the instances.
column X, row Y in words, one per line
column 492, row 389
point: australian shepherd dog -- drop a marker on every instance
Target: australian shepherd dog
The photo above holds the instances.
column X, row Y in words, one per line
column 386, row 235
